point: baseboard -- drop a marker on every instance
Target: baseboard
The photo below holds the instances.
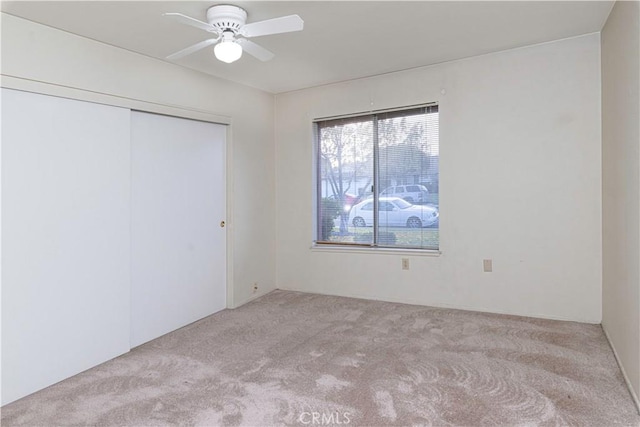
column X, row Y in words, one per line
column 634, row 396
column 251, row 298
column 436, row 304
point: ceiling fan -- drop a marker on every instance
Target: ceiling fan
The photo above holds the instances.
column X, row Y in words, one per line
column 228, row 24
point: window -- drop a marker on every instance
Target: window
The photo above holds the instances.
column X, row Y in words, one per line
column 377, row 179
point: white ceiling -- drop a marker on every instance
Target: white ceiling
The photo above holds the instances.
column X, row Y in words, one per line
column 342, row 40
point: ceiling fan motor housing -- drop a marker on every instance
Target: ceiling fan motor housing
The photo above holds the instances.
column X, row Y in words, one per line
column 226, row 17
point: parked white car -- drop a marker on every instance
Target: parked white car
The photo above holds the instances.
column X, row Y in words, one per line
column 412, row 193
column 393, row 212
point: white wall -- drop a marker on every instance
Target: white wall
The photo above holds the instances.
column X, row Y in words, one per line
column 621, row 185
column 520, row 182
column 39, row 53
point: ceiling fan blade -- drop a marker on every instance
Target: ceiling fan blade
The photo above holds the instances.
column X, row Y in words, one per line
column 284, row 24
column 191, row 49
column 255, row 50
column 187, row 20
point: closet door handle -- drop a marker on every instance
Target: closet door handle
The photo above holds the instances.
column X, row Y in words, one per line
column 222, row 224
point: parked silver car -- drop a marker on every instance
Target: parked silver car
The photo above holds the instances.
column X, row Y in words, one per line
column 393, row 212
column 412, row 193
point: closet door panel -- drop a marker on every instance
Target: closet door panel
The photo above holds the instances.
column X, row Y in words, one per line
column 65, row 238
column 178, row 244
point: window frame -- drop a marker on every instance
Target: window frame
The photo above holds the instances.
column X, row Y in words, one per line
column 374, row 117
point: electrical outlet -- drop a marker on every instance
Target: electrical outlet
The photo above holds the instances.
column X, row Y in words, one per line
column 487, row 265
column 255, row 287
column 405, row 263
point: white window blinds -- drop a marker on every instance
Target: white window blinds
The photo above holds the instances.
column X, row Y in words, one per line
column 377, row 179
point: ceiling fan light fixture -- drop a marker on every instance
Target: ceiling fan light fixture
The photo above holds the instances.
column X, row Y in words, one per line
column 228, row 24
column 228, row 51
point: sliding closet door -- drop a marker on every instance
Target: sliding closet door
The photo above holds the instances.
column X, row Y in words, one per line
column 178, row 204
column 65, row 238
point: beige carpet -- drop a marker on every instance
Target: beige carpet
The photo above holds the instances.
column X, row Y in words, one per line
column 300, row 359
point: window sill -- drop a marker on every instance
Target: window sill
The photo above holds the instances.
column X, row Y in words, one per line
column 371, row 250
